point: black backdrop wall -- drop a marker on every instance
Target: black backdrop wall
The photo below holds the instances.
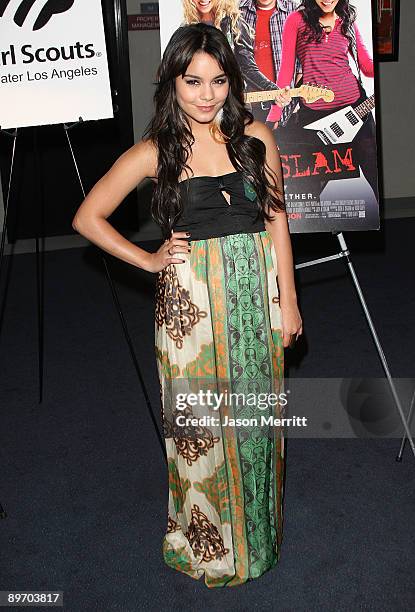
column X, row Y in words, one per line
column 45, row 191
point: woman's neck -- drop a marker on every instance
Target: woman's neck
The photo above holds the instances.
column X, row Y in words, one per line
column 200, row 131
column 209, row 17
column 328, row 19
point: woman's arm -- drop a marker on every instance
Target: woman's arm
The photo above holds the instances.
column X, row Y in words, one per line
column 288, row 59
column 136, row 164
column 364, row 59
column 107, row 194
column 279, row 231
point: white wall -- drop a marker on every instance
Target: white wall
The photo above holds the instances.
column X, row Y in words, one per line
column 144, row 46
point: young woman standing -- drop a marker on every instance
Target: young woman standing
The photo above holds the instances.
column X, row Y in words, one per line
column 226, row 303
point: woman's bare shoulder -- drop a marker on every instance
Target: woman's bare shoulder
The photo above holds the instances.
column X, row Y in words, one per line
column 263, row 133
column 144, row 153
column 259, row 130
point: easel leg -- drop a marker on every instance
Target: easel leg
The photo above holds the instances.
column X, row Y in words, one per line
column 346, row 254
column 6, row 208
column 399, row 455
column 3, row 513
column 133, row 355
column 40, row 262
column 120, row 312
column 39, row 251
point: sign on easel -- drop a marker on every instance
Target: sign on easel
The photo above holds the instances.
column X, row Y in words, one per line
column 53, row 63
column 326, row 136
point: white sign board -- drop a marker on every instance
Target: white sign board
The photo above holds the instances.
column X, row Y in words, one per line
column 53, row 62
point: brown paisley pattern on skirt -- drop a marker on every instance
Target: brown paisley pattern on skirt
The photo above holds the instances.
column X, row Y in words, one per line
column 174, row 308
column 191, row 441
column 218, row 319
column 204, row 537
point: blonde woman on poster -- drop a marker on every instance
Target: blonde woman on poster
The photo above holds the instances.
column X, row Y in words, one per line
column 226, row 306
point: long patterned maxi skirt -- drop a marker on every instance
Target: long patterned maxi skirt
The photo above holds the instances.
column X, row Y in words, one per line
column 218, row 328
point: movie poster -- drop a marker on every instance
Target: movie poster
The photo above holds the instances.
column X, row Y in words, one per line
column 325, row 131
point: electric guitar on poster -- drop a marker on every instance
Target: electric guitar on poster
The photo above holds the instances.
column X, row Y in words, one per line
column 343, row 125
column 310, row 93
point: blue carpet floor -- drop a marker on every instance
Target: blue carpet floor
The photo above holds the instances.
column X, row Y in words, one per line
column 83, row 478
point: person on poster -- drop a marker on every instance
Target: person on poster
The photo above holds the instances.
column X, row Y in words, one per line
column 267, row 18
column 226, row 15
column 322, row 35
column 226, row 303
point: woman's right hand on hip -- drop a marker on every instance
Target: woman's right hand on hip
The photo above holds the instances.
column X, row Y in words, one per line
column 168, row 251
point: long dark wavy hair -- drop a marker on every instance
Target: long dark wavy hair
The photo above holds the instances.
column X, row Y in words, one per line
column 170, row 131
column 312, row 12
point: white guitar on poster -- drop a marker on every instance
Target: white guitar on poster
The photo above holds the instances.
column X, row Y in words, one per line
column 343, row 125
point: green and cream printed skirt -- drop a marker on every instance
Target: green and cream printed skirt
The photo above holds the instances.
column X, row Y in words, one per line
column 218, row 325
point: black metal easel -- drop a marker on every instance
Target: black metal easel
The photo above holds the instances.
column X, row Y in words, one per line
column 345, row 253
column 40, row 279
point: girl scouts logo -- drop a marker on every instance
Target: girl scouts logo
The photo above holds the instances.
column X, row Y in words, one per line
column 50, row 8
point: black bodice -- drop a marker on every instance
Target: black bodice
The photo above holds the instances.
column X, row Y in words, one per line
column 206, row 212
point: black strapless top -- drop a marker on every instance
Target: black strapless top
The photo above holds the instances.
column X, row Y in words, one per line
column 206, row 212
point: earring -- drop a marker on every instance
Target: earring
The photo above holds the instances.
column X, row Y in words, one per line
column 215, row 130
